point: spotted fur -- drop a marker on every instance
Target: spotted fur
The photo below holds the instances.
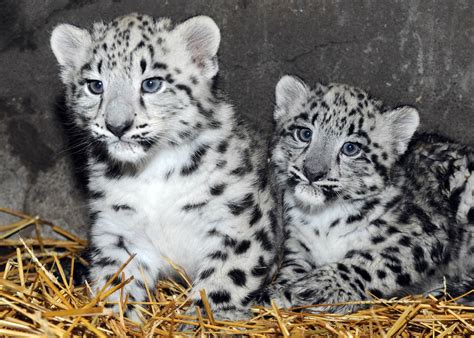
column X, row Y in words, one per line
column 174, row 175
column 391, row 219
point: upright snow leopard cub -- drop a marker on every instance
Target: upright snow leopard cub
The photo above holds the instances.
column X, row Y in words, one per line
column 365, row 211
column 173, row 173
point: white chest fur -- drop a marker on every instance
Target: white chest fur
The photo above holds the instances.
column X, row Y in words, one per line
column 326, row 233
column 157, row 220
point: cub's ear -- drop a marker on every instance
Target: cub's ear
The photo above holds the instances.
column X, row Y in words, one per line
column 70, row 45
column 202, row 38
column 288, row 91
column 402, row 123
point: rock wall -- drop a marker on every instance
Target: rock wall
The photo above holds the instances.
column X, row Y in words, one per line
column 404, row 52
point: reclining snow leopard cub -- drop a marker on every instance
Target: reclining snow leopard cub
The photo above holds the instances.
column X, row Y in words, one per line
column 173, row 173
column 365, row 211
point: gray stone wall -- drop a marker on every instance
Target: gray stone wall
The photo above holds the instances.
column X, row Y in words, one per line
column 411, row 52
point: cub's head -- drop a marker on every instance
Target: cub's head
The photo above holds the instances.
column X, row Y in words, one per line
column 137, row 83
column 334, row 143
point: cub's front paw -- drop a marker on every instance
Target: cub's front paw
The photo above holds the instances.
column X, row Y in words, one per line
column 321, row 287
column 280, row 295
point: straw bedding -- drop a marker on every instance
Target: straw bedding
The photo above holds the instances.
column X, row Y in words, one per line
column 39, row 297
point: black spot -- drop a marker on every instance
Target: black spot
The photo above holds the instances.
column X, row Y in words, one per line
column 229, row 241
column 344, row 276
column 169, row 78
column 206, row 273
column 378, row 222
column 342, row 267
column 354, row 218
column 366, row 255
column 185, row 88
column 378, row 239
column 219, row 297
column 381, row 274
column 242, row 247
column 376, row 292
column 222, row 147
column 405, row 241
column 262, row 178
column 121, row 242
column 261, row 268
column 299, row 270
column 396, row 200
column 334, row 223
column 158, row 65
column 118, row 207
column 274, row 224
column 256, row 215
column 143, row 65
column 381, row 169
column 151, row 50
column 87, row 66
column 116, row 281
column 218, row 255
column 350, row 254
column 238, row 277
column 241, row 171
column 218, row 189
column 359, row 284
column 304, row 246
column 106, row 261
column 392, row 230
column 394, row 268
column 470, row 215
column 262, row 237
column 419, row 259
column 195, row 160
column 404, row 279
column 194, row 206
column 369, row 206
column 95, row 194
column 362, row 272
column 237, row 208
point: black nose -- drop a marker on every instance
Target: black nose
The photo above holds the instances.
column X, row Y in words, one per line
column 314, row 176
column 119, row 129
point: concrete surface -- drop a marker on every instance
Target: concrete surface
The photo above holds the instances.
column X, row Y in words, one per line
column 413, row 52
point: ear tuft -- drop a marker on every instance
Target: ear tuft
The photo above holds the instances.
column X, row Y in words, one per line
column 403, row 122
column 69, row 44
column 288, row 90
column 202, row 38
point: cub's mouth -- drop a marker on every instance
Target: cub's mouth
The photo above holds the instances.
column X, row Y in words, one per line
column 312, row 193
column 126, row 151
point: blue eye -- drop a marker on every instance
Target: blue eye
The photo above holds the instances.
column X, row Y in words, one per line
column 152, row 85
column 350, row 149
column 96, row 87
column 304, row 134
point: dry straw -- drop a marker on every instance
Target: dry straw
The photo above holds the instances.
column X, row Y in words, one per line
column 38, row 297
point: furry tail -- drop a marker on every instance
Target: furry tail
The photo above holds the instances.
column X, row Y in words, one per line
column 461, row 189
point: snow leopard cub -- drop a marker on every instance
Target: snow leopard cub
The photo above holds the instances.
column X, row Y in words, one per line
column 365, row 210
column 174, row 175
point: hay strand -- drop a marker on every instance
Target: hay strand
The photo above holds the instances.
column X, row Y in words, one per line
column 38, row 297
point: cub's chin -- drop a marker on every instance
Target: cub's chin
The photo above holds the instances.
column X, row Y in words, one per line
column 309, row 196
column 127, row 152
